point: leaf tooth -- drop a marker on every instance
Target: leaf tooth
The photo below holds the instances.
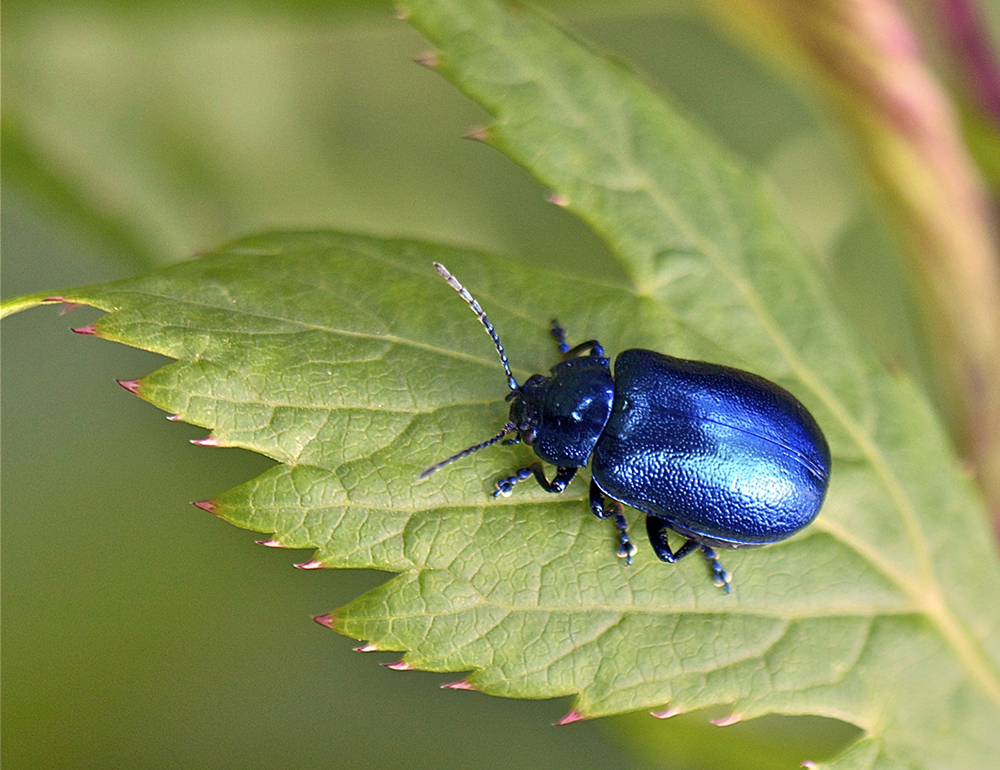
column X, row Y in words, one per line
column 271, row 543
column 572, row 716
column 399, row 665
column 558, row 199
column 726, row 721
column 428, row 59
column 461, row 684
column 672, row 711
column 205, row 505
column 478, row 134
column 366, row 647
column 67, row 304
column 207, row 441
column 132, row 386
column 173, row 417
column 312, row 564
column 325, row 620
column 401, row 12
column 809, row 765
column 89, row 329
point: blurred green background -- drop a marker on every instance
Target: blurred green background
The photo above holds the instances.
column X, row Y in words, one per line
column 139, row 631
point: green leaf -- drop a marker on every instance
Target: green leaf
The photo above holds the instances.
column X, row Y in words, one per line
column 351, row 363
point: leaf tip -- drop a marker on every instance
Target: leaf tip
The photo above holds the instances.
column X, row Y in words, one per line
column 461, row 684
column 572, row 716
column 399, row 665
column 325, row 620
column 312, row 564
column 132, row 386
column 205, row 505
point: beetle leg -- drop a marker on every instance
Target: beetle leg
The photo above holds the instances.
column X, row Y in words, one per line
column 720, row 576
column 658, row 528
column 597, row 501
column 563, row 477
column 590, row 347
column 603, row 507
column 559, row 335
column 506, row 486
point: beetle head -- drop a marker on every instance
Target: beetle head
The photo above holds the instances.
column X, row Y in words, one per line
column 562, row 416
column 527, row 407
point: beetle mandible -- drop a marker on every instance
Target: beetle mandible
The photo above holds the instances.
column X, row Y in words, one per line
column 722, row 457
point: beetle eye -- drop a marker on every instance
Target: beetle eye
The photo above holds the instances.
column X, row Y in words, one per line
column 528, row 436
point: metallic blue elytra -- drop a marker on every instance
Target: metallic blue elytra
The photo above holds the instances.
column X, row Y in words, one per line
column 726, row 457
column 722, row 457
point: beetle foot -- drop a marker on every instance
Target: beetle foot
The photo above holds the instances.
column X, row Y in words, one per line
column 559, row 335
column 626, row 549
column 720, row 576
column 506, row 486
column 613, row 508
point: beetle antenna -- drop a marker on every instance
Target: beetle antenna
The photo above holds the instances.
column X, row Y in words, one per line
column 453, row 282
column 466, row 452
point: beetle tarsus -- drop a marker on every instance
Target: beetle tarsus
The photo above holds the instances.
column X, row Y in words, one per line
column 506, row 485
column 626, row 548
column 720, row 576
column 588, row 348
column 604, row 507
column 559, row 335
column 559, row 482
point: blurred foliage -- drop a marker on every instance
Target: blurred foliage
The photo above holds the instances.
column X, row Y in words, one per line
column 983, row 138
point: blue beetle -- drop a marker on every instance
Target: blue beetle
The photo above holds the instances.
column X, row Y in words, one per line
column 722, row 457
